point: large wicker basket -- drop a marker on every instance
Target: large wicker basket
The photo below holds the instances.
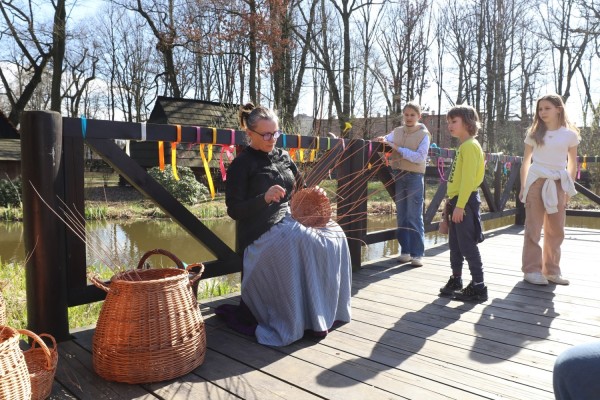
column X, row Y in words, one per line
column 150, row 328
column 14, row 377
column 41, row 362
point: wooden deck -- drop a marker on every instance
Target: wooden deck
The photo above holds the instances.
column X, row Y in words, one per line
column 403, row 342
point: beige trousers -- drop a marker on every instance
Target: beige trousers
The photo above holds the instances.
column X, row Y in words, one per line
column 536, row 259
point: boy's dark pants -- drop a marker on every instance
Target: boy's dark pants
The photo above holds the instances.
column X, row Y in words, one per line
column 464, row 237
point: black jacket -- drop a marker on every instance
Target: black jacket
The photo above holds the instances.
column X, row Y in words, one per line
column 249, row 177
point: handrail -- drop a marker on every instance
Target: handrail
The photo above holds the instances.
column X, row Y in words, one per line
column 53, row 163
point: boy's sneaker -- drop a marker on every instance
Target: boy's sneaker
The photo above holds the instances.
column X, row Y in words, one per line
column 417, row 262
column 454, row 284
column 472, row 293
column 404, row 258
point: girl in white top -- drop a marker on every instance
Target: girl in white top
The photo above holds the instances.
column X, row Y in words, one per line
column 547, row 183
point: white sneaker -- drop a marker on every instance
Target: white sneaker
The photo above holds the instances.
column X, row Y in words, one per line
column 404, row 258
column 558, row 279
column 417, row 262
column 535, row 278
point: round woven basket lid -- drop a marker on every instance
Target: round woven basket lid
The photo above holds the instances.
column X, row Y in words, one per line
column 311, row 207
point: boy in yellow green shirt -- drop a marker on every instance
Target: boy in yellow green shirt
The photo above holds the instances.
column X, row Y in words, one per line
column 465, row 230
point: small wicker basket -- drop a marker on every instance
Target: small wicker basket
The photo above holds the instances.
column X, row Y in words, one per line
column 150, row 328
column 41, row 363
column 14, row 377
column 311, row 207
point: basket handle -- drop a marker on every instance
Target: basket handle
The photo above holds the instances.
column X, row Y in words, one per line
column 98, row 283
column 164, row 253
column 38, row 340
column 198, row 275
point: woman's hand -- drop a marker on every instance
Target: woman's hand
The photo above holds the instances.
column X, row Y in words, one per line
column 521, row 194
column 380, row 139
column 274, row 194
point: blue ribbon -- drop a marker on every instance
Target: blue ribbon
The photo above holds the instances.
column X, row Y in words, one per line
column 83, row 126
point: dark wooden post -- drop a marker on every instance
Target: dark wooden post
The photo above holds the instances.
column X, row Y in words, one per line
column 352, row 198
column 520, row 215
column 498, row 186
column 44, row 233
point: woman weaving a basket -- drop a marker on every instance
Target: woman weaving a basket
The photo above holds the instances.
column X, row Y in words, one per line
column 295, row 278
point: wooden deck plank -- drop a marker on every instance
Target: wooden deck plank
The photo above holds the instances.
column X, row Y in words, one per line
column 403, row 342
column 295, row 371
column 74, row 372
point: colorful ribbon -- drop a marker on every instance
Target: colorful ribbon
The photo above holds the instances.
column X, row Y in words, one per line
column 227, row 151
column 143, row 132
column 313, row 152
column 83, row 126
column 440, row 168
column 161, row 155
column 206, row 160
column 174, row 152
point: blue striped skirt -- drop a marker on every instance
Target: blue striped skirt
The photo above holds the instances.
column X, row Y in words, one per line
column 297, row 279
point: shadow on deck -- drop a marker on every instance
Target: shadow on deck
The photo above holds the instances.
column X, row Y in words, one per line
column 403, row 342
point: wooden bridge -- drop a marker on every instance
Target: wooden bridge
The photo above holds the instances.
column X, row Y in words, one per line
column 403, row 341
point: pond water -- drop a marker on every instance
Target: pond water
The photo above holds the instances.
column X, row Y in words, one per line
column 126, row 241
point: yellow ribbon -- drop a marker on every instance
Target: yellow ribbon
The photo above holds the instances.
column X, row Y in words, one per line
column 347, row 127
column 584, row 163
column 211, row 185
column 313, row 152
column 174, row 153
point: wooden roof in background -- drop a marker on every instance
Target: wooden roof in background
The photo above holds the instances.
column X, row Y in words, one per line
column 173, row 111
column 190, row 112
column 10, row 150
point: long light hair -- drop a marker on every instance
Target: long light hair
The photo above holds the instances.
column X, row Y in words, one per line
column 538, row 128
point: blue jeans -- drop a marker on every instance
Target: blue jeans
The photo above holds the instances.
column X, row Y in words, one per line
column 409, row 212
column 576, row 373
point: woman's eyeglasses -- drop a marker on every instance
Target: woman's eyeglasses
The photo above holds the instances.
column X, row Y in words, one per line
column 268, row 136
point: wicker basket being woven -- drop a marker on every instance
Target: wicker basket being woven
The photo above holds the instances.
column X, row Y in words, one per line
column 311, row 207
column 14, row 377
column 150, row 328
column 41, row 362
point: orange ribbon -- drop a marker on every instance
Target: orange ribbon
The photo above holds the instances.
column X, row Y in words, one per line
column 161, row 155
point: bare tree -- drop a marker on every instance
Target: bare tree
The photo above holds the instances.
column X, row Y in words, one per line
column 34, row 53
column 128, row 63
column 404, row 43
column 59, row 40
column 568, row 36
column 164, row 18
column 367, row 29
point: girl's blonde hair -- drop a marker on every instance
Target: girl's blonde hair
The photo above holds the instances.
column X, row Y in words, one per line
column 414, row 105
column 538, row 128
column 249, row 115
column 469, row 117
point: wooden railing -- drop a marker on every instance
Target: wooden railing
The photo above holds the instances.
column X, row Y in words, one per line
column 53, row 176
